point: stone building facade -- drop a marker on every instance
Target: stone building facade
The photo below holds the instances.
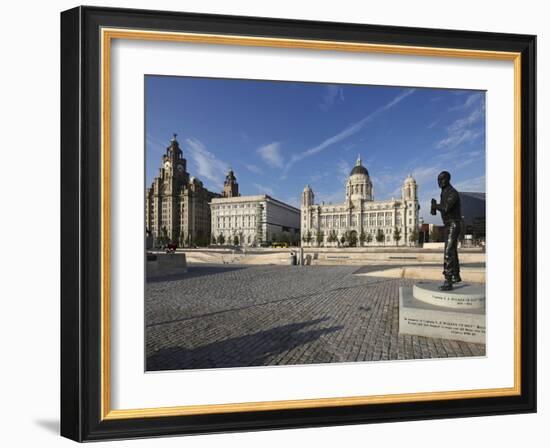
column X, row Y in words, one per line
column 254, row 220
column 177, row 205
column 360, row 219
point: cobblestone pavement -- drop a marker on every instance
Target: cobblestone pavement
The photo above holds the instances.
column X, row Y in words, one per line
column 236, row 316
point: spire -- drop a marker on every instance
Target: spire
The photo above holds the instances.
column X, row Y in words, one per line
column 174, row 148
column 230, row 176
column 358, row 162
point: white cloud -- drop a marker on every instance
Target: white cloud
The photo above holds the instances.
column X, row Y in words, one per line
column 458, row 137
column 389, row 184
column 271, row 154
column 318, row 176
column 432, row 124
column 155, row 144
column 423, row 175
column 475, row 184
column 332, row 95
column 467, row 121
column 253, row 168
column 262, row 189
column 463, row 129
column 347, row 132
column 470, row 100
column 463, row 163
column 208, row 165
column 343, row 170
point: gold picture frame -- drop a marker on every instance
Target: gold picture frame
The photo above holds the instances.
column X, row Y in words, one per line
column 109, row 25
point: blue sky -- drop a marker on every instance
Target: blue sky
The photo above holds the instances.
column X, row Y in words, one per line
column 280, row 136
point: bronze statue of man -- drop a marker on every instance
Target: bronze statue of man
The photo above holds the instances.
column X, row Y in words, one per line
column 451, row 214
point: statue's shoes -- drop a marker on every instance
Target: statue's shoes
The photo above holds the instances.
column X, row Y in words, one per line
column 447, row 286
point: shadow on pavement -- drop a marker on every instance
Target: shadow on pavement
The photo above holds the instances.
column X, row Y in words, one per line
column 195, row 271
column 242, row 351
column 368, row 283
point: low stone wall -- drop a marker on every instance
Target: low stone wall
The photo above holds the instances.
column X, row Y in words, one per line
column 434, row 246
column 329, row 256
column 390, row 257
column 159, row 265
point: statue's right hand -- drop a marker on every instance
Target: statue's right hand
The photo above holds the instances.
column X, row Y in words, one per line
column 433, row 210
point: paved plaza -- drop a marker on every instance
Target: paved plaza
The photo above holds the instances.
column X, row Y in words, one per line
column 235, row 316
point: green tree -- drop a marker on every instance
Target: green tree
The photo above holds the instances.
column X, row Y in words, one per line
column 320, row 238
column 379, row 236
column 221, row 239
column 369, row 238
column 396, row 235
column 343, row 238
column 362, row 237
column 352, row 238
column 236, row 240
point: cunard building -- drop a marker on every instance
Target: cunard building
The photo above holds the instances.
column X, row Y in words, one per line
column 251, row 220
column 176, row 204
column 360, row 219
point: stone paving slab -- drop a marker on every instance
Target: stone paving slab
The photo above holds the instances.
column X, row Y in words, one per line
column 237, row 316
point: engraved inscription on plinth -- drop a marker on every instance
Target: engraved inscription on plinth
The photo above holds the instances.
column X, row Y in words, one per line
column 420, row 318
column 467, row 296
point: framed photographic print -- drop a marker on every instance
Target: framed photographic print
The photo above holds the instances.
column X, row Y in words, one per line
column 274, row 223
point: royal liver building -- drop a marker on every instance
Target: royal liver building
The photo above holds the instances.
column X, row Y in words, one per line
column 360, row 220
column 177, row 205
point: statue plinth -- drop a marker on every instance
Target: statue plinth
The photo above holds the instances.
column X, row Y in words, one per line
column 458, row 314
column 462, row 296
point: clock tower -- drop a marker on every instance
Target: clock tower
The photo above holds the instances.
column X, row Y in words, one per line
column 177, row 205
column 173, row 163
